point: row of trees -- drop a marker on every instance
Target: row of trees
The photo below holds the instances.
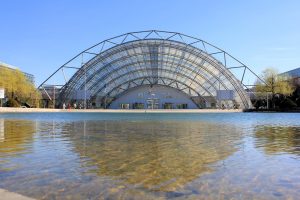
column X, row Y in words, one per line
column 278, row 92
column 18, row 90
column 273, row 91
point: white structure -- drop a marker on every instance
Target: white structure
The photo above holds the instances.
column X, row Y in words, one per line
column 120, row 72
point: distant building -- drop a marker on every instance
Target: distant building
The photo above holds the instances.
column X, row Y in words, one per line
column 49, row 95
column 29, row 77
column 294, row 74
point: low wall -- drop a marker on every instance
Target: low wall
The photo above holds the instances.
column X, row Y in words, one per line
column 25, row 110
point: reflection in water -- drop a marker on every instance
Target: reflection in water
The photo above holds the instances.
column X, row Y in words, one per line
column 278, row 139
column 158, row 156
column 15, row 135
column 2, row 137
column 66, row 158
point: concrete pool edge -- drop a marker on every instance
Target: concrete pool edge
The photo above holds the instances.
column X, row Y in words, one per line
column 49, row 110
column 7, row 195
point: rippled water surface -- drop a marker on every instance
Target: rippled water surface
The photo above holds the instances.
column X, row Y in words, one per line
column 151, row 156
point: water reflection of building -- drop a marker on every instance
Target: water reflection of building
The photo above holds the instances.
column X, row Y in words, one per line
column 278, row 139
column 163, row 157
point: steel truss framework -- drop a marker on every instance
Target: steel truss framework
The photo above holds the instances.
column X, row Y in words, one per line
column 114, row 66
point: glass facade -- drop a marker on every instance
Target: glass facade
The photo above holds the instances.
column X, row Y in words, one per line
column 155, row 62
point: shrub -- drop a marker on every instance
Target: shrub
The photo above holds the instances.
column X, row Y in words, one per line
column 12, row 103
column 288, row 103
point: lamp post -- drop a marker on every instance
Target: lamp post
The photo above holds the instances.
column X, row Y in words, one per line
column 267, row 101
column 53, row 97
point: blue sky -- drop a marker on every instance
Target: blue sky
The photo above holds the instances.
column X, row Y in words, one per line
column 39, row 36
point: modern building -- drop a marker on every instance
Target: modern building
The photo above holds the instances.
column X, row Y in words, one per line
column 49, row 96
column 152, row 70
column 294, row 74
column 29, row 77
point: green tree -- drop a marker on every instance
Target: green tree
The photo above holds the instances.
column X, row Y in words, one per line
column 274, row 84
column 18, row 89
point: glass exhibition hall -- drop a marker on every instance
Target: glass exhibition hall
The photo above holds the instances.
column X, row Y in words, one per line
column 150, row 70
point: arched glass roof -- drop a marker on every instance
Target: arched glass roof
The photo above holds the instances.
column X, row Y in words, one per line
column 151, row 61
column 154, row 62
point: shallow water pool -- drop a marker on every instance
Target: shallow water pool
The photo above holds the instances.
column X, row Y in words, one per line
column 151, row 155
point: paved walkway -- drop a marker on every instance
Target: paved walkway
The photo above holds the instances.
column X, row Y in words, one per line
column 6, row 195
column 21, row 110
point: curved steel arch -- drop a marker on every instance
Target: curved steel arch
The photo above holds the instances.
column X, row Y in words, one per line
column 122, row 58
column 144, row 62
column 122, row 83
column 144, row 47
column 166, row 70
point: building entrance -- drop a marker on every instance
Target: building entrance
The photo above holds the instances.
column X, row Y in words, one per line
column 153, row 103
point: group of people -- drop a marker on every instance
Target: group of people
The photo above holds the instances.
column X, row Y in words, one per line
column 235, row 106
column 69, row 106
